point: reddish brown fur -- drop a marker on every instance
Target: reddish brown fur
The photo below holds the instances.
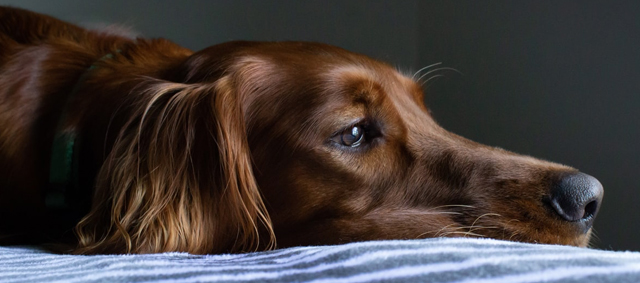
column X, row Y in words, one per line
column 234, row 147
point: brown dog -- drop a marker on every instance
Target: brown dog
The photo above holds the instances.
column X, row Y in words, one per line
column 145, row 146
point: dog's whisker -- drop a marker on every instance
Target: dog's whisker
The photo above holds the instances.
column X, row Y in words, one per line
column 425, row 83
column 443, row 212
column 469, row 233
column 470, row 230
column 437, row 232
column 473, row 228
column 594, row 239
column 513, row 220
column 455, row 205
column 428, row 212
column 484, row 215
column 438, row 70
column 513, row 235
column 464, row 234
column 425, row 68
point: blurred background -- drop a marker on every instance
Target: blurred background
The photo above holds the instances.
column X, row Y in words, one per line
column 558, row 80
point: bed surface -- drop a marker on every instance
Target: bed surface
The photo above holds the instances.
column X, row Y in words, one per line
column 429, row 260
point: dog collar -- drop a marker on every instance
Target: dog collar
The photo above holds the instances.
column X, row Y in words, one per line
column 63, row 167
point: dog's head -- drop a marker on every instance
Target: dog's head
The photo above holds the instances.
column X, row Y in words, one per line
column 342, row 148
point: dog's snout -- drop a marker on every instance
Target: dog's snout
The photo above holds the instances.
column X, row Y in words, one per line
column 576, row 197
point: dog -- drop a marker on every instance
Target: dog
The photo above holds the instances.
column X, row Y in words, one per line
column 120, row 145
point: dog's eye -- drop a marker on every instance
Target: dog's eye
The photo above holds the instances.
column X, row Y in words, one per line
column 353, row 136
column 359, row 135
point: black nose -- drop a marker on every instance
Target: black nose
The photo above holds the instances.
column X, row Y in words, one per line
column 576, row 197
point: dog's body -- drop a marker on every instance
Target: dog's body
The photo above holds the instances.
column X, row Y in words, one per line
column 244, row 143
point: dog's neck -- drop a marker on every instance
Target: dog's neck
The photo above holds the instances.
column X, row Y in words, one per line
column 64, row 164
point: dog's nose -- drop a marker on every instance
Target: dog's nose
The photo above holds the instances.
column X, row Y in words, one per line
column 576, row 197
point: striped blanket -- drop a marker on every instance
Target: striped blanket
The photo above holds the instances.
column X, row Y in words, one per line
column 429, row 260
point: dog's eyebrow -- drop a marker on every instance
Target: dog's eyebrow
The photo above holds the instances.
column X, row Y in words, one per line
column 360, row 84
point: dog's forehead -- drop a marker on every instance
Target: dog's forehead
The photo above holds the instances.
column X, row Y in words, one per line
column 333, row 92
column 373, row 83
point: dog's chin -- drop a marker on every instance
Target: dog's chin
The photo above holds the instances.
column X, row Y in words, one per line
column 581, row 240
column 586, row 239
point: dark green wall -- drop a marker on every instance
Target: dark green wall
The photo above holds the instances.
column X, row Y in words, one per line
column 383, row 29
column 559, row 80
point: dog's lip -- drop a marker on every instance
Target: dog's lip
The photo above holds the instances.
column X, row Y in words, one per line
column 522, row 234
column 570, row 233
column 586, row 223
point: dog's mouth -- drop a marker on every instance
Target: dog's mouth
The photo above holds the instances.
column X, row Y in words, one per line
column 547, row 237
column 541, row 227
column 493, row 225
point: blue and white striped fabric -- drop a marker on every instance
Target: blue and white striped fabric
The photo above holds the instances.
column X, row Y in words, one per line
column 429, row 260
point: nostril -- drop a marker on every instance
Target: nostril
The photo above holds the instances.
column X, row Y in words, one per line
column 576, row 197
column 590, row 209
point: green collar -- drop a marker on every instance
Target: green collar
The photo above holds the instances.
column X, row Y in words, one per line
column 63, row 169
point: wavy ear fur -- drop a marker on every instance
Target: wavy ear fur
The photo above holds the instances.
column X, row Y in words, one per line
column 179, row 178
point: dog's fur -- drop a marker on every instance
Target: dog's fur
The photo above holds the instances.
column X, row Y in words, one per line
column 241, row 144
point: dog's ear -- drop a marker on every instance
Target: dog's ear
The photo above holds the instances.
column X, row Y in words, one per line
column 179, row 178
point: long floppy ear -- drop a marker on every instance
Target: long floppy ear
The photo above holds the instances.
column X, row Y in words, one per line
column 179, row 178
